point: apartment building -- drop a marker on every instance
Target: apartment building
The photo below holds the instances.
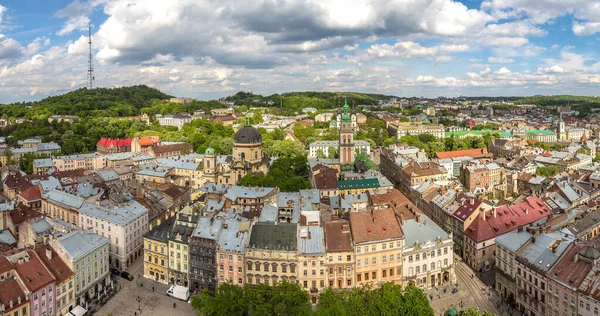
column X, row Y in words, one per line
column 62, row 205
column 124, row 225
column 508, row 247
column 179, row 239
column 64, row 294
column 271, row 255
column 177, row 120
column 480, row 236
column 323, row 147
column 311, row 260
column 339, row 265
column 87, row 254
column 203, row 254
column 231, row 252
column 156, row 252
column 428, row 260
column 533, row 265
column 91, row 161
column 415, row 173
column 480, row 177
column 378, row 242
column 38, row 281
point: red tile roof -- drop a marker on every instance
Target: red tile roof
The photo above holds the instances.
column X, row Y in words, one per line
column 5, row 265
column 55, row 264
column 33, row 273
column 32, row 194
column 508, row 218
column 17, row 181
column 11, row 291
column 337, row 236
column 376, row 225
column 461, row 153
column 107, row 142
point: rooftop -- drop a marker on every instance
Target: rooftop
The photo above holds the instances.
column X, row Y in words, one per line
column 377, row 225
column 274, row 236
column 79, row 244
column 337, row 236
column 310, row 240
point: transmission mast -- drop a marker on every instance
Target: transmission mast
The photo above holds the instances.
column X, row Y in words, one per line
column 90, row 75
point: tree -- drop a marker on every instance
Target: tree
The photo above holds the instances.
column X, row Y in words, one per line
column 582, row 151
column 257, row 117
column 241, row 109
column 389, row 299
column 285, row 148
column 278, row 134
column 320, row 153
column 229, row 300
column 332, row 152
column 547, row 171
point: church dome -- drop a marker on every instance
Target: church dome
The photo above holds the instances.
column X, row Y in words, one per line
column 247, row 135
column 209, row 151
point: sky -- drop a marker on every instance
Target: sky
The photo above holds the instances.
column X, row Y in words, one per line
column 208, row 49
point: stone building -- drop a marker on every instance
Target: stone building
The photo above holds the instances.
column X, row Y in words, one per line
column 203, row 254
column 340, row 255
column 271, row 255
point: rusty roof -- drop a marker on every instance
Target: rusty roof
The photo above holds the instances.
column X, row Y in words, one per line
column 33, row 273
column 337, row 236
column 54, row 263
column 374, row 226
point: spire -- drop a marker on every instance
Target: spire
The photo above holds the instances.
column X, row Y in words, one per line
column 247, row 120
column 345, row 115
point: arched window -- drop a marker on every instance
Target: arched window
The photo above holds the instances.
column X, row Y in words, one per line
column 207, row 163
column 256, row 155
column 417, row 270
column 424, row 268
column 257, row 265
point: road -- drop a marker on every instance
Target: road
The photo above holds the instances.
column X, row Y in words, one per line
column 151, row 302
column 473, row 293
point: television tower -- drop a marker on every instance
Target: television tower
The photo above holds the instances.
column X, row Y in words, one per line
column 90, row 75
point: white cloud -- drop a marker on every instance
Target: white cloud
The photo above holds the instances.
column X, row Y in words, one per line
column 442, row 59
column 500, row 60
column 585, row 29
column 2, row 11
column 551, row 70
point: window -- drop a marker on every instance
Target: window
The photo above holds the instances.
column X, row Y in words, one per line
column 374, row 248
column 391, row 258
column 374, row 260
column 384, row 259
column 384, row 273
column 384, row 247
column 357, row 251
column 410, row 258
column 358, row 262
column 349, row 258
column 358, row 277
column 424, row 268
column 432, row 266
column 366, row 276
column 331, row 257
column 374, row 275
column 220, row 255
column 391, row 245
column 417, row 257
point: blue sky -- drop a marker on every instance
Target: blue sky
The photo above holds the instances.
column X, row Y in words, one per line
column 208, row 49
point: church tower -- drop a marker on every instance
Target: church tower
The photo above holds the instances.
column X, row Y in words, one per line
column 561, row 133
column 347, row 153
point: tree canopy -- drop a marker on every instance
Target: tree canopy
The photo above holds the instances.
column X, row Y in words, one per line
column 290, row 174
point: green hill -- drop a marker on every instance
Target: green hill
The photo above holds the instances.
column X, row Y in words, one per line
column 125, row 101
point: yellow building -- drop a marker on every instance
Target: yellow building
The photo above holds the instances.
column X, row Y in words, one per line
column 156, row 255
column 340, row 255
column 311, row 260
column 271, row 255
column 378, row 241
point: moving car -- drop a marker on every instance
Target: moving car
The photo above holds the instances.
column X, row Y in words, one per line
column 127, row 275
column 179, row 292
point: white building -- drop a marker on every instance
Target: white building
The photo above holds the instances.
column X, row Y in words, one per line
column 174, row 120
column 427, row 255
column 362, row 145
column 124, row 225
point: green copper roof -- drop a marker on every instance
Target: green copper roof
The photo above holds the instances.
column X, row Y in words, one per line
column 358, row 184
column 345, row 115
column 209, row 151
column 539, row 132
column 505, row 134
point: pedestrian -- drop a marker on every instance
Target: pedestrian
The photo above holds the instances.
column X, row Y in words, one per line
column 174, row 304
column 153, row 288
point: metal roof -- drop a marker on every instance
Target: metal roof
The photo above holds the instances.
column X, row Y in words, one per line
column 311, row 240
column 118, row 214
column 540, row 254
column 233, row 238
column 79, row 244
column 424, row 231
column 208, row 228
column 358, row 184
column 514, row 240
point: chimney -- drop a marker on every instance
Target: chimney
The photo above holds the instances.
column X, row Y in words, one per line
column 494, row 213
column 472, row 201
column 482, row 214
column 49, row 253
column 548, row 229
column 526, row 210
column 418, row 218
column 533, row 240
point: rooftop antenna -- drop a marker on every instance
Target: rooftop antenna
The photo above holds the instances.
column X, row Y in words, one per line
column 90, row 76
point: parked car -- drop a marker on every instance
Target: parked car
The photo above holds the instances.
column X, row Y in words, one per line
column 115, row 271
column 127, row 275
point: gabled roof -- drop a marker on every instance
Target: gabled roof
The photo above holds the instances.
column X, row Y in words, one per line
column 33, row 273
column 32, row 194
column 54, row 263
column 337, row 236
column 508, row 218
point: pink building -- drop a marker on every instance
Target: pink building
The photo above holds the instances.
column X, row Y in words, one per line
column 92, row 161
column 38, row 280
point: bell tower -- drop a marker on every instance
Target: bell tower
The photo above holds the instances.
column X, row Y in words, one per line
column 347, row 153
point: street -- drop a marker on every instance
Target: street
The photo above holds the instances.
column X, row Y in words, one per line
column 136, row 299
column 473, row 293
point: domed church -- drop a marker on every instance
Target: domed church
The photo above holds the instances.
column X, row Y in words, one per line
column 247, row 157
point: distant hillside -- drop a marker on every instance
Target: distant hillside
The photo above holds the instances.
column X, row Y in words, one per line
column 292, row 102
column 125, row 101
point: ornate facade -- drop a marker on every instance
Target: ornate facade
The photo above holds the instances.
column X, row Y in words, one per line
column 247, row 157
